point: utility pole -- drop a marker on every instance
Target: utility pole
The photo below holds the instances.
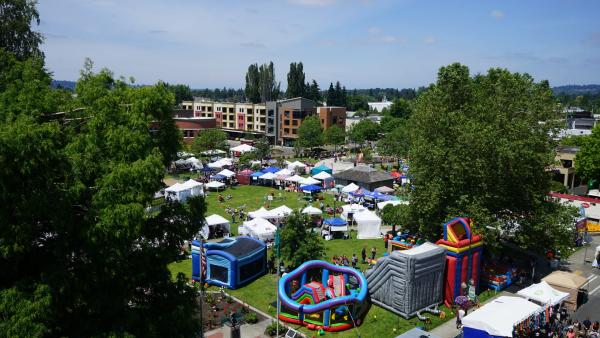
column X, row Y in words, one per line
column 277, row 242
column 201, row 289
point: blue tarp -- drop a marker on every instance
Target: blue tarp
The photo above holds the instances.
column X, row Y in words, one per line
column 335, row 222
column 310, row 187
column 270, row 170
column 319, row 169
column 207, row 169
column 360, row 193
column 257, row 174
column 218, row 177
column 379, row 196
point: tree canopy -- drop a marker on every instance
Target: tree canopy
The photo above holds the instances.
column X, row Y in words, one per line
column 296, row 85
column 334, row 135
column 16, row 35
column 261, row 85
column 210, row 139
column 364, row 130
column 298, row 243
column 588, row 157
column 310, row 133
column 480, row 146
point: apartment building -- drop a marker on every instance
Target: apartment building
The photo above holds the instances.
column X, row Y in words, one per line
column 284, row 117
column 188, row 123
column 234, row 118
column 332, row 116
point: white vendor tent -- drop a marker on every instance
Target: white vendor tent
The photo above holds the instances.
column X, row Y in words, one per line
column 382, row 205
column 214, row 185
column 351, row 209
column 309, row 181
column 268, row 176
column 214, row 221
column 283, row 173
column 212, row 152
column 350, row 188
column 282, row 211
column 181, row 191
column 258, row 228
column 497, row 317
column 262, row 213
column 369, row 225
column 543, row 294
column 323, row 175
column 221, row 163
column 296, row 164
column 295, row 178
column 196, row 164
column 243, row 148
column 227, row 173
column 310, row 210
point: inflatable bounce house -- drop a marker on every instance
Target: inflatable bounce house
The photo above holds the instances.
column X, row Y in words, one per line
column 404, row 241
column 463, row 257
column 320, row 295
column 409, row 281
column 232, row 262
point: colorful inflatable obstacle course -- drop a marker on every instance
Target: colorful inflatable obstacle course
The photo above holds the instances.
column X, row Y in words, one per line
column 404, row 241
column 323, row 296
column 463, row 257
column 231, row 263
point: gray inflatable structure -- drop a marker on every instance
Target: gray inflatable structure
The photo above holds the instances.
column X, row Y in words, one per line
column 409, row 281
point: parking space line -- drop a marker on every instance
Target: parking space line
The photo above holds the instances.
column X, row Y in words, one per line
column 593, row 291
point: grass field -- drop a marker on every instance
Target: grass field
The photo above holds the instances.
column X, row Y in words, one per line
column 262, row 293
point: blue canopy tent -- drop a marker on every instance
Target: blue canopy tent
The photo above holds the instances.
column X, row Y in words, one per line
column 335, row 222
column 310, row 188
column 218, row 177
column 257, row 174
column 360, row 193
column 379, row 196
column 321, row 168
column 333, row 227
column 207, row 169
column 270, row 170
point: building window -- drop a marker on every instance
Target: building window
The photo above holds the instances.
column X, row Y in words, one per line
column 218, row 108
column 322, row 121
column 249, row 119
column 249, row 111
column 286, row 122
column 209, row 108
column 294, row 122
column 286, row 130
column 294, row 131
column 271, row 112
column 231, row 110
column 286, row 113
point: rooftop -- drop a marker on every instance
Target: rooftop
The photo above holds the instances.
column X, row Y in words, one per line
column 363, row 174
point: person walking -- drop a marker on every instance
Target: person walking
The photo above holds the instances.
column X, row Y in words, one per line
column 354, row 260
column 373, row 253
column 459, row 316
column 363, row 254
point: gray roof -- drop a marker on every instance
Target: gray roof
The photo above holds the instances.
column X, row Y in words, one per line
column 363, row 174
column 417, row 333
column 567, row 149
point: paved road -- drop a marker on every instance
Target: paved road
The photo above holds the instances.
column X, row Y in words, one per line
column 591, row 308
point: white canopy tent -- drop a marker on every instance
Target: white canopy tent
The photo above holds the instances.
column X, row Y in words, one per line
column 258, row 228
column 368, row 224
column 181, row 191
column 323, row 175
column 268, row 176
column 309, row 181
column 221, row 163
column 498, row 316
column 296, row 165
column 295, row 178
column 214, row 185
column 385, row 190
column 243, row 148
column 282, row 211
column 227, row 173
column 212, row 152
column 310, row 210
column 215, row 220
column 283, row 173
column 543, row 294
column 262, row 213
column 351, row 209
column 196, row 164
column 350, row 188
column 382, row 205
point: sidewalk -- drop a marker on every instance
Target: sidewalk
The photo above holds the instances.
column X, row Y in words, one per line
column 246, row 330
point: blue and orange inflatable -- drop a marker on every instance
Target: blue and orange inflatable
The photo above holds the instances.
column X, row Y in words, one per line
column 463, row 257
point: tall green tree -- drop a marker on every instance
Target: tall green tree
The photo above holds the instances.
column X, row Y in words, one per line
column 396, row 143
column 480, row 147
column 252, row 90
column 334, row 136
column 16, row 34
column 298, row 243
column 400, row 108
column 364, row 130
column 296, row 81
column 310, row 133
column 314, row 93
column 262, row 148
column 181, row 92
column 268, row 86
column 80, row 255
column 332, row 98
column 588, row 157
column 210, row 139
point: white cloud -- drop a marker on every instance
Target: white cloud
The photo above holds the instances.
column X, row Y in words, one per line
column 430, row 40
column 317, row 3
column 497, row 14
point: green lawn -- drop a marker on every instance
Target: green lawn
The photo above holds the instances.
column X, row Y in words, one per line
column 262, row 293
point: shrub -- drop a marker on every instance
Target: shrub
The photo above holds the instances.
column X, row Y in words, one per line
column 251, row 318
column 271, row 330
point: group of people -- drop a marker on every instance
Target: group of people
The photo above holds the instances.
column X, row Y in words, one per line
column 343, row 260
column 585, row 329
column 560, row 325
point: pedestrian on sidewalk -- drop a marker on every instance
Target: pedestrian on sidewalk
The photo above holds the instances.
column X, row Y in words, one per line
column 459, row 316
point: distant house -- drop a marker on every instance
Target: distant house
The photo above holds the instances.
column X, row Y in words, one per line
column 365, row 177
column 564, row 170
column 379, row 106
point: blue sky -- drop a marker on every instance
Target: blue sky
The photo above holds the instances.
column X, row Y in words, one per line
column 362, row 43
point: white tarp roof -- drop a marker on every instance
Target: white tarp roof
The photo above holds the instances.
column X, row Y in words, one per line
column 369, row 224
column 215, row 219
column 221, row 163
column 498, row 316
column 282, row 211
column 268, row 176
column 312, row 210
column 215, row 184
column 191, row 184
column 297, row 164
column 295, row 178
column 351, row 208
column 243, row 148
column 283, row 172
column 543, row 293
column 382, row 205
column 309, row 181
column 260, row 228
column 227, row 173
column 176, row 188
column 262, row 213
column 322, row 175
column 213, row 152
column 350, row 188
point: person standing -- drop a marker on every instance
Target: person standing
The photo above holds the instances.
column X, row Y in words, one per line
column 354, row 260
column 363, row 254
column 373, row 253
column 460, row 314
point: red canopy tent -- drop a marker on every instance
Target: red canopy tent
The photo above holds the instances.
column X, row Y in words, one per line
column 395, row 174
column 243, row 176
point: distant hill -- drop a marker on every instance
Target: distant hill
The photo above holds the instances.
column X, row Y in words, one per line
column 577, row 89
column 63, row 84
